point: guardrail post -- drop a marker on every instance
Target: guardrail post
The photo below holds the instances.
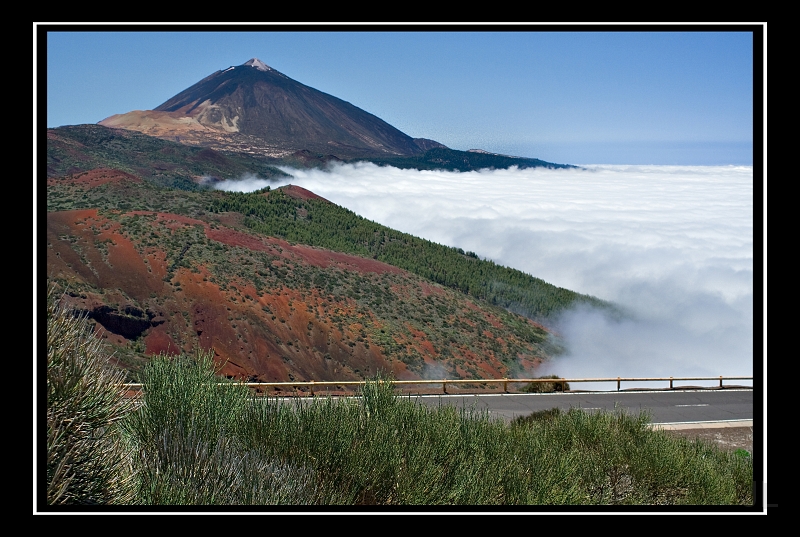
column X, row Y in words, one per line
column 444, row 386
column 670, row 383
column 720, row 381
column 563, row 384
column 312, row 387
column 505, row 385
column 617, row 383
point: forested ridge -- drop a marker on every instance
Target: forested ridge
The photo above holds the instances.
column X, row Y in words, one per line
column 443, row 158
column 324, row 224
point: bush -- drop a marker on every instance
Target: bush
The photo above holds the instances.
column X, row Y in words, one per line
column 189, row 437
column 540, row 415
column 546, row 387
column 87, row 462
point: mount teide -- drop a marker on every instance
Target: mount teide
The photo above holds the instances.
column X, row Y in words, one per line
column 256, row 109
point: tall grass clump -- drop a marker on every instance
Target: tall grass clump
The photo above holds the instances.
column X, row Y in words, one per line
column 617, row 458
column 384, row 449
column 87, row 460
column 187, row 441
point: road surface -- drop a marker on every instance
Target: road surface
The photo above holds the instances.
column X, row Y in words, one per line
column 666, row 407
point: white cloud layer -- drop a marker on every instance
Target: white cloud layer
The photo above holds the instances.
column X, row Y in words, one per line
column 247, row 183
column 672, row 244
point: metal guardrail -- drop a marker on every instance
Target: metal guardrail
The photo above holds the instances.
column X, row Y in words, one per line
column 444, row 382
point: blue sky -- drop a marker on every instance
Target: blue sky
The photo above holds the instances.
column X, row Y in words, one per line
column 586, row 97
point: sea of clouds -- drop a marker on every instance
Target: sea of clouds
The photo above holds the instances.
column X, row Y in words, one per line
column 673, row 245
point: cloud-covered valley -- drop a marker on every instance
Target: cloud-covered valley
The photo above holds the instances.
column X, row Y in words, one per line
column 671, row 244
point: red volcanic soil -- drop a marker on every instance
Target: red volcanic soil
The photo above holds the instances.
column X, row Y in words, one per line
column 326, row 258
column 117, row 265
column 95, row 178
column 158, row 341
column 301, row 193
column 280, row 335
column 313, row 256
column 232, row 237
column 137, row 294
column 171, row 220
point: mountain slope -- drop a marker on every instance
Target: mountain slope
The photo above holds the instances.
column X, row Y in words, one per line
column 82, row 148
column 317, row 222
column 304, row 221
column 254, row 109
column 254, row 100
column 157, row 272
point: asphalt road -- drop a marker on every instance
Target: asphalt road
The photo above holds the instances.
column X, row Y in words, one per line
column 666, row 407
column 674, row 408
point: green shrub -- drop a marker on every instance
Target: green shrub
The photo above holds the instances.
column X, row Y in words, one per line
column 87, row 460
column 540, row 415
column 546, row 387
column 616, row 458
column 189, row 439
column 377, row 395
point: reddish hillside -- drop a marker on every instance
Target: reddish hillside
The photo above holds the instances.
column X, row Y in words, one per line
column 95, row 178
column 301, row 193
column 155, row 282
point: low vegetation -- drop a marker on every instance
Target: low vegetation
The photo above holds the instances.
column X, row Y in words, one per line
column 324, row 224
column 197, row 439
column 546, row 387
column 87, row 461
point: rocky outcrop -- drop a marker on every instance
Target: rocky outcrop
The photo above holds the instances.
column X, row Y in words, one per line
column 129, row 323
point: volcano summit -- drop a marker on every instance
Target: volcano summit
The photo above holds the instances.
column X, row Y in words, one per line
column 257, row 109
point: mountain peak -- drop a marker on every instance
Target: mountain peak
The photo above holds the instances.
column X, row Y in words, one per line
column 280, row 115
column 258, row 64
